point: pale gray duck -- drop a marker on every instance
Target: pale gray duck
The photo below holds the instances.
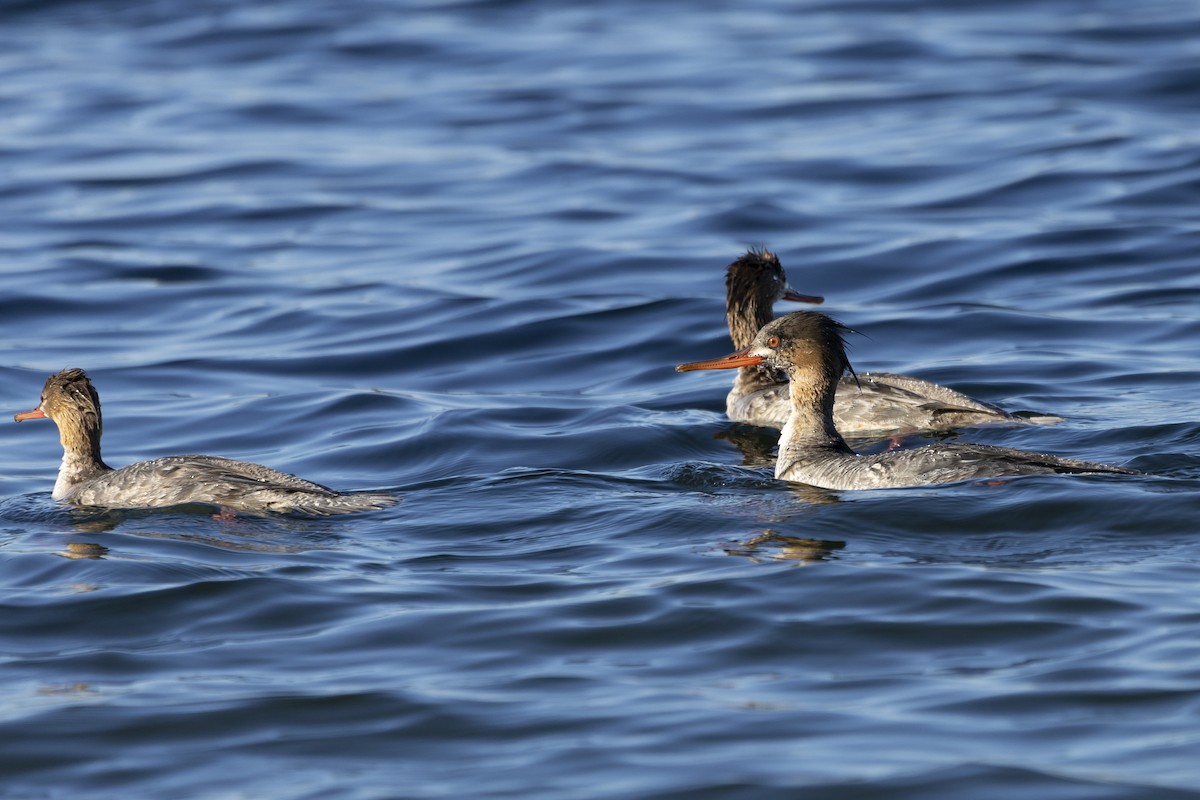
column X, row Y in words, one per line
column 874, row 403
column 71, row 402
column 810, row 349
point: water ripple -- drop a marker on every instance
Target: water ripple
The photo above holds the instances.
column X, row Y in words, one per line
column 454, row 250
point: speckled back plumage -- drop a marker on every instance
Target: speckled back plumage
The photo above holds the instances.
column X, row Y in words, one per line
column 213, row 480
column 833, row 468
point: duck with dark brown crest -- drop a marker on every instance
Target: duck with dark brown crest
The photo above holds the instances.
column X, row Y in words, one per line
column 879, row 403
column 809, row 347
column 70, row 400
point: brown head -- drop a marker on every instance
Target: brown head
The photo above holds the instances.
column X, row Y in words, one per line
column 803, row 342
column 752, row 285
column 70, row 400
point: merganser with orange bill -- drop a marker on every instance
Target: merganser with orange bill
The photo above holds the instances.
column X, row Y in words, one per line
column 809, row 347
column 874, row 403
column 70, row 400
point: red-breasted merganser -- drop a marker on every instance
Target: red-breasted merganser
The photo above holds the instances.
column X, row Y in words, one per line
column 70, row 400
column 877, row 402
column 809, row 347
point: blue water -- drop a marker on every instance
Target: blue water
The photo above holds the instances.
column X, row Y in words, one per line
column 454, row 250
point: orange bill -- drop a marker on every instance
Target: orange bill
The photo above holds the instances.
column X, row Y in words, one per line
column 796, row 297
column 34, row 414
column 738, row 359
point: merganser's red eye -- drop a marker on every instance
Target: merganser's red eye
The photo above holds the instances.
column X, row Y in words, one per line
column 773, row 342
